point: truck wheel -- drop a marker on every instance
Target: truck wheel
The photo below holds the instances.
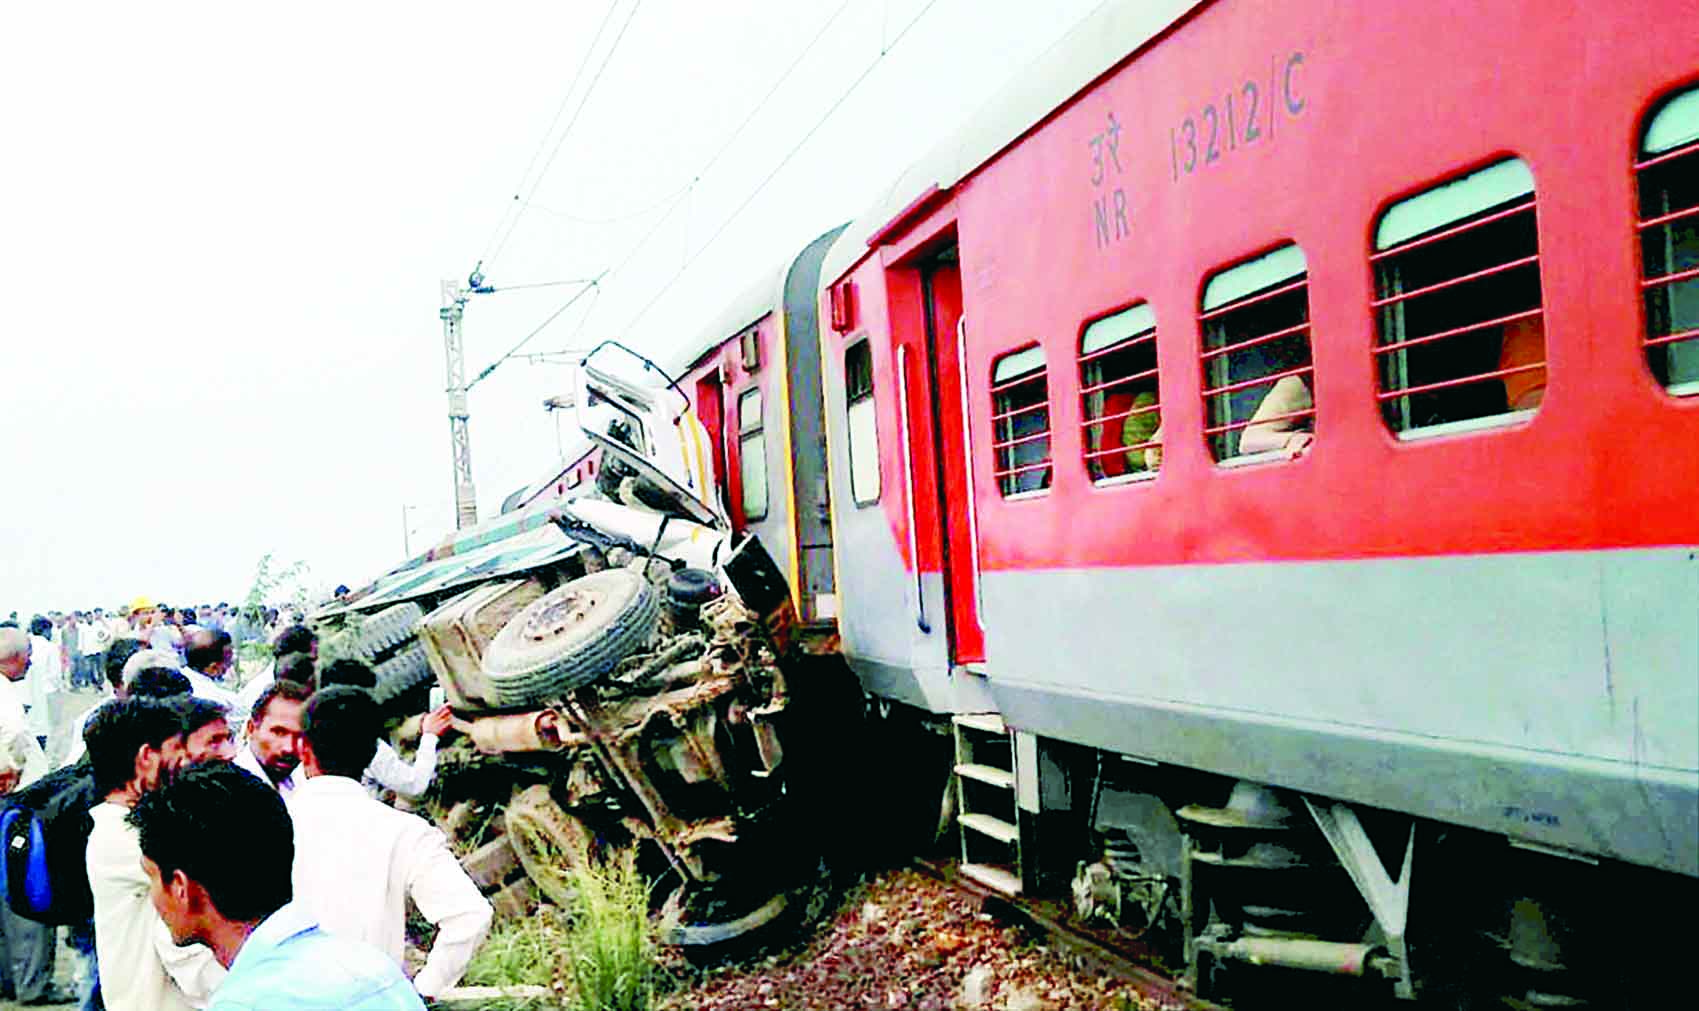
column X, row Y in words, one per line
column 400, row 672
column 549, row 842
column 376, row 637
column 571, row 636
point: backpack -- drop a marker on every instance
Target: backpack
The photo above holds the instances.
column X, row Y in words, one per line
column 45, row 829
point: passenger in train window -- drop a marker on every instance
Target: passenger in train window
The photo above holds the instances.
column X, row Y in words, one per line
column 1142, row 428
column 1287, row 397
column 1524, row 345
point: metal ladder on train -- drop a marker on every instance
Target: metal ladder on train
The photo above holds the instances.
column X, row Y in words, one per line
column 987, row 814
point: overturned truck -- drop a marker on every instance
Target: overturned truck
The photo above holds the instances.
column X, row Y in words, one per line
column 621, row 669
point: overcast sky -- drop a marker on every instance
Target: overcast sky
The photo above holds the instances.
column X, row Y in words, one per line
column 223, row 229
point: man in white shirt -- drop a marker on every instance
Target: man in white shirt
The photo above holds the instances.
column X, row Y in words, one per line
column 358, row 861
column 22, row 761
column 388, row 770
column 273, row 749
column 211, row 656
column 46, row 672
column 133, row 745
column 26, row 947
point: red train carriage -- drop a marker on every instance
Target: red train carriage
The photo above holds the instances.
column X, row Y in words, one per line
column 753, row 380
column 1284, row 418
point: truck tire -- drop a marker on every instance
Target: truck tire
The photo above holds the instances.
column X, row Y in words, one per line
column 404, row 670
column 571, row 636
column 376, row 637
column 550, row 843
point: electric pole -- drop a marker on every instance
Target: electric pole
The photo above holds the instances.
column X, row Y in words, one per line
column 459, row 440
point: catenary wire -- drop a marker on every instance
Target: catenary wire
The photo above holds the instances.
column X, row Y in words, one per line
column 792, row 153
column 543, row 141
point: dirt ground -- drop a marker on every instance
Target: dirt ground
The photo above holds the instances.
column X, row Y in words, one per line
column 906, row 941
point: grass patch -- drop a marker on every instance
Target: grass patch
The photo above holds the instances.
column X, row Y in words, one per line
column 610, row 941
column 519, row 953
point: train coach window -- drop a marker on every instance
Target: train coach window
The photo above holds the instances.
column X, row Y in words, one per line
column 752, row 455
column 1118, row 395
column 1256, row 355
column 1020, row 422
column 863, row 428
column 1457, row 285
column 1668, row 170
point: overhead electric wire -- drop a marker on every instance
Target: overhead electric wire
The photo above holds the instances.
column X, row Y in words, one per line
column 642, row 212
column 583, row 101
column 590, row 285
column 792, row 153
column 544, row 139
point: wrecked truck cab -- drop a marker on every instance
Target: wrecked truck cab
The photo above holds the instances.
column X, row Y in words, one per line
column 629, row 692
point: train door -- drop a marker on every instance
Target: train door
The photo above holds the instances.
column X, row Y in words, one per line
column 941, row 296
column 711, row 411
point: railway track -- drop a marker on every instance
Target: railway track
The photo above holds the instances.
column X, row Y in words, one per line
column 1166, row 991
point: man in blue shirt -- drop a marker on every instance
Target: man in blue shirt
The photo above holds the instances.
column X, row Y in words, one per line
column 238, row 903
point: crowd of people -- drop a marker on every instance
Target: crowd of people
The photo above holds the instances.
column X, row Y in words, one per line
column 239, row 854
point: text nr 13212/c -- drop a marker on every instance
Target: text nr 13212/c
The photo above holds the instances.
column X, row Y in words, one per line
column 1243, row 117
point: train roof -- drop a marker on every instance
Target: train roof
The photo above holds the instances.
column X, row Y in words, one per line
column 753, row 303
column 1105, row 38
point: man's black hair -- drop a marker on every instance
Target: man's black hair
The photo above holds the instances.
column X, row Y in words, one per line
column 40, row 626
column 158, row 683
column 342, row 723
column 210, row 651
column 294, row 639
column 219, row 801
column 352, row 673
column 291, row 691
column 296, row 667
column 197, row 713
column 116, row 656
column 119, row 729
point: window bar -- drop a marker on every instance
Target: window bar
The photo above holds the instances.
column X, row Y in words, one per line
column 1674, row 338
column 1140, row 338
column 1123, row 380
column 1250, row 300
column 1686, row 149
column 1035, row 377
column 1663, row 279
column 1453, row 282
column 1043, row 465
column 1152, row 444
column 1000, row 446
column 1455, row 331
column 1041, row 405
column 1308, row 412
column 1665, row 219
column 1464, row 381
column 1267, row 380
column 1440, row 236
column 1254, row 341
column 1123, row 415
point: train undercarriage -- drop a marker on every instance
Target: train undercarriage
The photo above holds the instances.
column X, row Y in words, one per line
column 1256, row 896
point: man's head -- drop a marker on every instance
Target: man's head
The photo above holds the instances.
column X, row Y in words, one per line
column 296, row 667
column 339, row 732
column 274, row 729
column 157, row 683
column 206, row 731
column 14, row 653
column 209, row 651
column 117, row 655
column 349, row 673
column 41, row 626
column 134, row 743
column 196, row 887
column 297, row 639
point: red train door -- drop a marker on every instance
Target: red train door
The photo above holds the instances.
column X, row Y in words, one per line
column 941, row 290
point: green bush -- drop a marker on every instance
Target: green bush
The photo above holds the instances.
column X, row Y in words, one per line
column 610, row 941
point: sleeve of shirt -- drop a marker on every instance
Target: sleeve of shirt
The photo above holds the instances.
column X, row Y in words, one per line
column 450, row 900
column 392, row 773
